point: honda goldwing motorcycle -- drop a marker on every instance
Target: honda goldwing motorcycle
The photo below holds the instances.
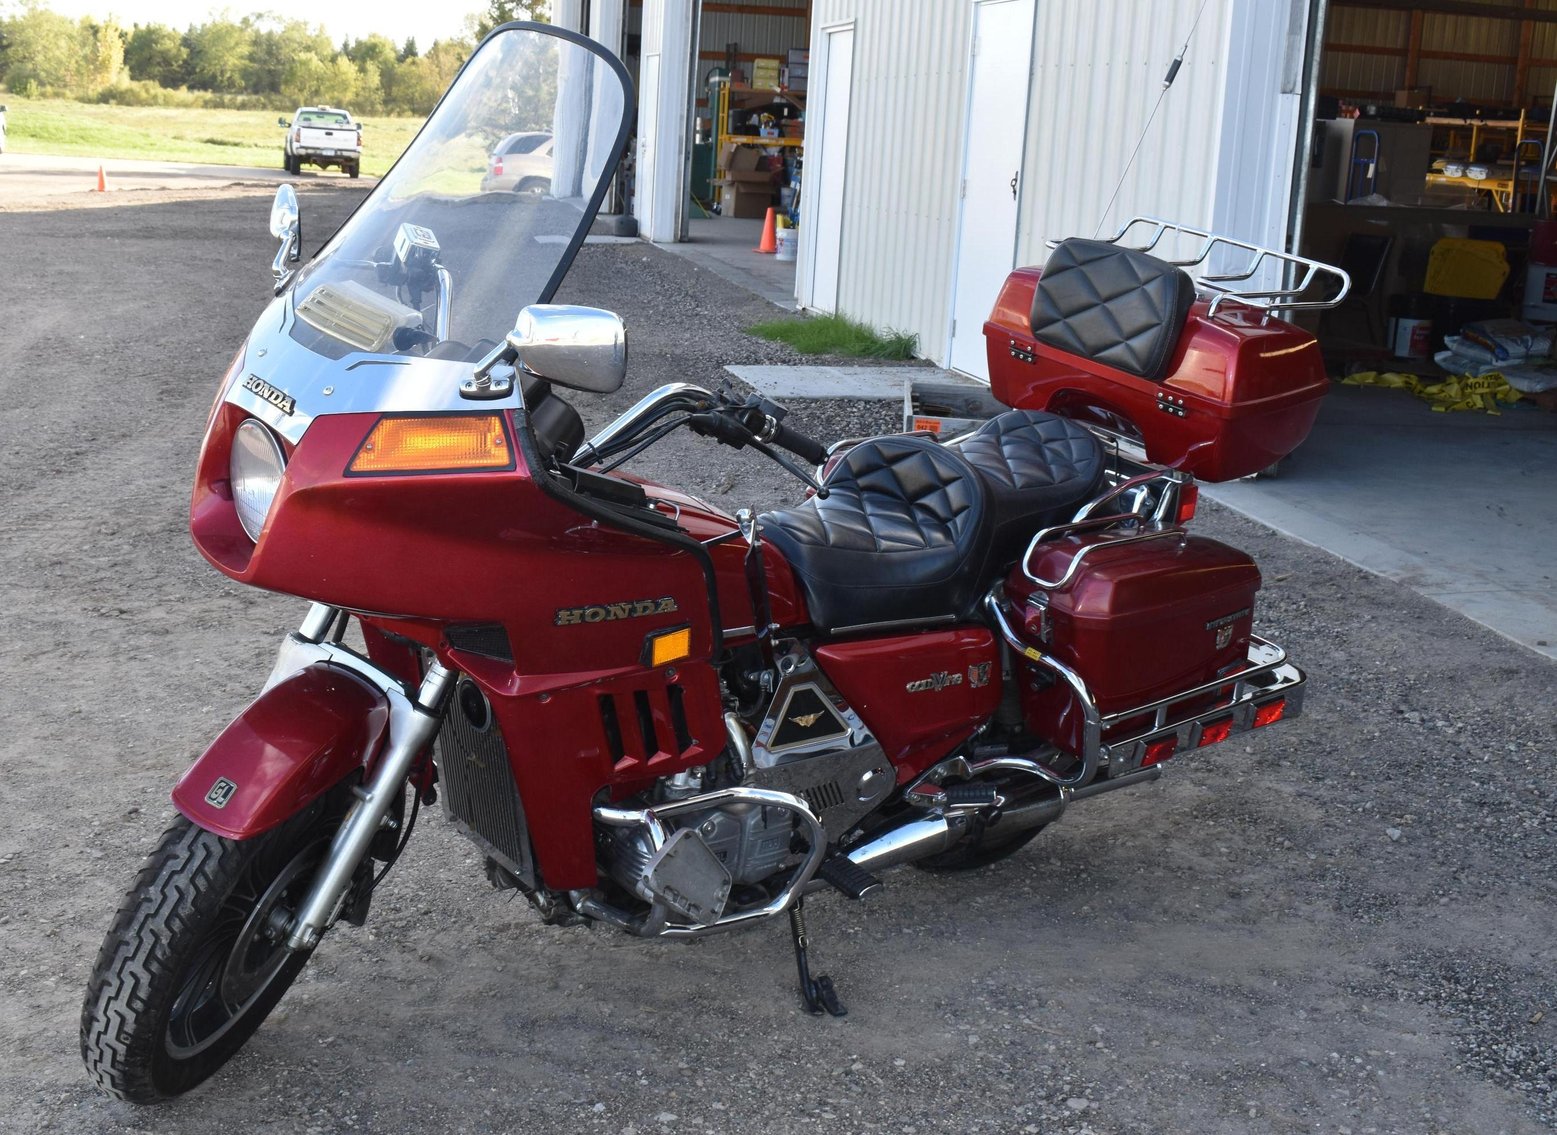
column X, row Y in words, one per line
column 645, row 712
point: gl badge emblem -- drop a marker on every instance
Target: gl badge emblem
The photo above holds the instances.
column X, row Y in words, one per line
column 221, row 792
column 1224, row 635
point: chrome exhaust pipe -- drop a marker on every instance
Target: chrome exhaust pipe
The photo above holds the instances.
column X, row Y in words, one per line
column 930, row 834
column 927, row 835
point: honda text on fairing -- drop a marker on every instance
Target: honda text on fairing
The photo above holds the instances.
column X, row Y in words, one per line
column 643, row 711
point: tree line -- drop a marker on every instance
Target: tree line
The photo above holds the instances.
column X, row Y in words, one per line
column 256, row 61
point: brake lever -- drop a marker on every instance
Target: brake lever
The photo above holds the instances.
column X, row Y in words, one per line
column 811, row 482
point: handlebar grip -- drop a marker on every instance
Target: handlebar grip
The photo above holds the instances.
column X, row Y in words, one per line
column 811, row 452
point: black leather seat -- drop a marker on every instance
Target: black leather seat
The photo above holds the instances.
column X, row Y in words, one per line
column 902, row 536
column 1038, row 469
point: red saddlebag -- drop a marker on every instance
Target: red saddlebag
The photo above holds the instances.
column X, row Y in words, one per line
column 1113, row 336
column 1137, row 619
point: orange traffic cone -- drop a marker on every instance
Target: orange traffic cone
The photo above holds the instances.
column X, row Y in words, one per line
column 102, row 180
column 769, row 235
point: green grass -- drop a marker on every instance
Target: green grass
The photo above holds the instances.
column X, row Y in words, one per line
column 177, row 134
column 837, row 335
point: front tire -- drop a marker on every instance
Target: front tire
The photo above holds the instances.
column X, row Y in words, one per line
column 194, row 961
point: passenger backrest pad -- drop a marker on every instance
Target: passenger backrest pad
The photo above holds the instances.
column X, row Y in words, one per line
column 1121, row 307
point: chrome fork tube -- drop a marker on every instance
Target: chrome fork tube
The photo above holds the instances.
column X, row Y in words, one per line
column 367, row 814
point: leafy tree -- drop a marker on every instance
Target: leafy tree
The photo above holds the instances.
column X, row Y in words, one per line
column 408, row 49
column 375, row 49
column 156, row 52
column 218, row 55
column 43, row 50
column 504, row 11
column 274, row 44
column 103, row 53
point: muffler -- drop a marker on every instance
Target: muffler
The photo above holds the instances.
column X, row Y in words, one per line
column 927, row 835
column 930, row 834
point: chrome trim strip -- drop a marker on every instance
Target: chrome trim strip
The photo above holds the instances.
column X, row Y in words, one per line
column 895, row 624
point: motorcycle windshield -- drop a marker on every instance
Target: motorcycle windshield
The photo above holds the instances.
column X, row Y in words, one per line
column 484, row 211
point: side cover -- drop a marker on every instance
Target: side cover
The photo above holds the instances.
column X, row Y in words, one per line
column 292, row 744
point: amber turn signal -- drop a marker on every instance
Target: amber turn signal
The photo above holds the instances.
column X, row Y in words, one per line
column 435, row 443
column 664, row 647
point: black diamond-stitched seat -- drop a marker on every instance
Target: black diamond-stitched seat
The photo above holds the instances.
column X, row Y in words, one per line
column 1038, row 468
column 1118, row 306
column 902, row 535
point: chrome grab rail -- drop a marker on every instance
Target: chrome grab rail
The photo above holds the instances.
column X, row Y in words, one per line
column 1076, row 561
column 1280, row 299
column 657, row 924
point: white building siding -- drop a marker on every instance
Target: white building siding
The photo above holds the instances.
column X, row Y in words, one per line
column 1097, row 72
column 900, row 205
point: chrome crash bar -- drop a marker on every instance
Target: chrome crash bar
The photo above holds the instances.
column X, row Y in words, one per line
column 658, row 922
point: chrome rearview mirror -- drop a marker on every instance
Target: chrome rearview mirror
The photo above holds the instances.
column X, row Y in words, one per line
column 286, row 225
column 579, row 347
column 582, row 348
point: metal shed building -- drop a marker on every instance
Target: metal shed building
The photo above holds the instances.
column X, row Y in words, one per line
column 958, row 136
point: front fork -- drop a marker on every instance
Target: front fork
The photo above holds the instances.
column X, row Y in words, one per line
column 413, row 723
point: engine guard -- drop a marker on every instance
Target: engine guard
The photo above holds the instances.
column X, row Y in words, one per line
column 294, row 742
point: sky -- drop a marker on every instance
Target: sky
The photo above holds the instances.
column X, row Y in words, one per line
column 396, row 19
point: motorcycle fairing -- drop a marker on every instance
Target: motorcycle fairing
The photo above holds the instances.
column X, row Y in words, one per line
column 294, row 742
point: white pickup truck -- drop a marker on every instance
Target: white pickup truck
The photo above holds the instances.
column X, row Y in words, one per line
column 322, row 136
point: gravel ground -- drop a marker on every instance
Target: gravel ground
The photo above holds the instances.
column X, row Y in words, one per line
column 1344, row 924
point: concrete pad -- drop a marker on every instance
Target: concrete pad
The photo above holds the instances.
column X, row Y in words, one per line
column 883, row 384
column 1459, row 507
column 723, row 246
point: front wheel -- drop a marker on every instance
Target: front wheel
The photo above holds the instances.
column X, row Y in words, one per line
column 195, row 959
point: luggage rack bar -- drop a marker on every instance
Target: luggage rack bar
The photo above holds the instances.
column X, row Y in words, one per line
column 1222, row 284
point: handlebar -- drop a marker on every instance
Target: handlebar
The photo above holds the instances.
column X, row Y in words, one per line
column 808, row 450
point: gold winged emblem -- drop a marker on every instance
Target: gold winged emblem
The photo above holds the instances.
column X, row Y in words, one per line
column 806, row 720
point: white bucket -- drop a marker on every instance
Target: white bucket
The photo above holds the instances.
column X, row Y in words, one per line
column 788, row 243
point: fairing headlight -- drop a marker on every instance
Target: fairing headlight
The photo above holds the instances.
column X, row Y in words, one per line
column 256, row 465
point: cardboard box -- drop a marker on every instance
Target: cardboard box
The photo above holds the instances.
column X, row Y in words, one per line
column 765, row 74
column 744, row 198
column 1414, row 96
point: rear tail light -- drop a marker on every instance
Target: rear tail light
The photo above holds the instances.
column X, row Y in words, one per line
column 1159, row 750
column 497, row 167
column 1189, row 497
column 297, row 135
column 1215, row 732
column 1270, row 712
column 435, row 443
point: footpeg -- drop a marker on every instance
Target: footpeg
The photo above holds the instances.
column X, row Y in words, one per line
column 972, row 796
column 850, row 878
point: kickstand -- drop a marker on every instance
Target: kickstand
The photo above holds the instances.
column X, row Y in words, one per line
column 818, row 993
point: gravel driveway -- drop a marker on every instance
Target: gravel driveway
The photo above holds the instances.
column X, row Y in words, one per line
column 1344, row 924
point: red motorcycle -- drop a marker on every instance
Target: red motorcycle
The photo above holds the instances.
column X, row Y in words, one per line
column 645, row 712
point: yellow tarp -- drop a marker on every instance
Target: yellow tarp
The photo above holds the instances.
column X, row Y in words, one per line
column 1474, row 269
column 1463, row 392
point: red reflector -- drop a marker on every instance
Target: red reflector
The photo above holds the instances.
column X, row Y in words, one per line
column 1269, row 712
column 1159, row 750
column 1189, row 497
column 1216, row 732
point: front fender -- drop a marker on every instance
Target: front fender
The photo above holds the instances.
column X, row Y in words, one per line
column 294, row 742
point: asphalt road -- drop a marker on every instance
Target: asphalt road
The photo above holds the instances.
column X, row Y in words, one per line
column 1343, row 924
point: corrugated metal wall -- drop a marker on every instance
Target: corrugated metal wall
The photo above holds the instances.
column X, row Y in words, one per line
column 762, row 32
column 1097, row 73
column 1097, row 70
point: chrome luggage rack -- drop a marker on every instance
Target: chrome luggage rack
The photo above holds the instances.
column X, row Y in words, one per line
column 1300, row 273
column 1266, row 688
